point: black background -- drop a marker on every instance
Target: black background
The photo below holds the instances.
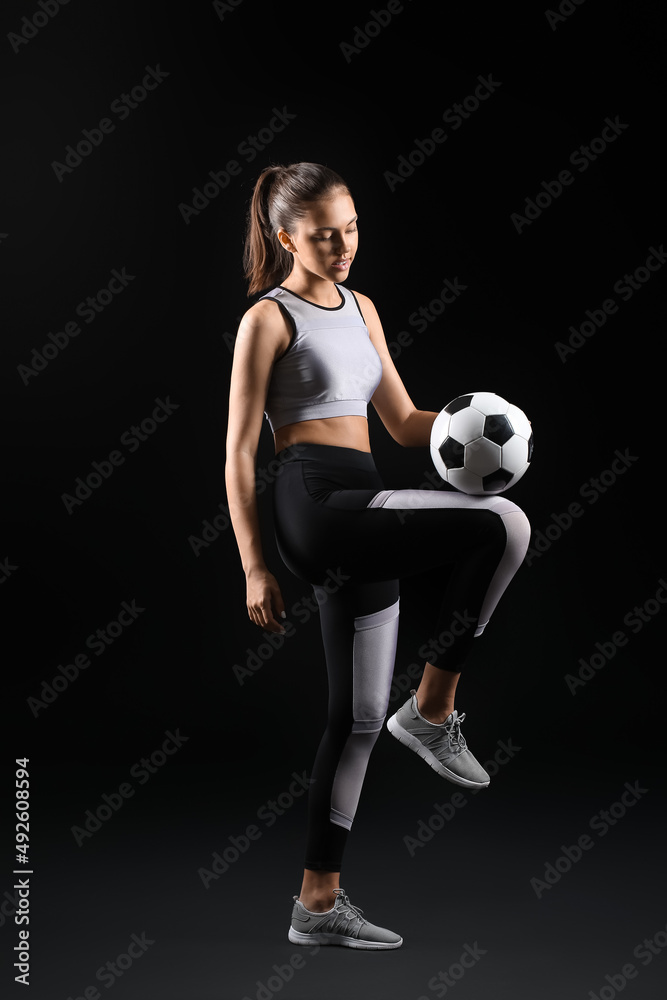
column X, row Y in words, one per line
column 168, row 336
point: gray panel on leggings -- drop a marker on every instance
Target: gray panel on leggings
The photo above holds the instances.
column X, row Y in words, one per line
column 517, row 528
column 414, row 499
column 374, row 653
column 373, row 657
column 349, row 777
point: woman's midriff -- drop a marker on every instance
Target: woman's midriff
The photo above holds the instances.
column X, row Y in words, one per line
column 341, row 432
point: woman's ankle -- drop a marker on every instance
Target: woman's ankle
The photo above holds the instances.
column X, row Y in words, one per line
column 435, row 710
column 318, row 889
column 316, row 905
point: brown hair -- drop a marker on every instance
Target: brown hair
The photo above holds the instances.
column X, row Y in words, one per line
column 279, row 202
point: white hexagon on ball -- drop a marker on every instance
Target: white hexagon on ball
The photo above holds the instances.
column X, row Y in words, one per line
column 515, row 455
column 489, row 403
column 519, row 421
column 466, row 425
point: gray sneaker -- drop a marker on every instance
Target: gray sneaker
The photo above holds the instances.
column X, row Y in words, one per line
column 442, row 746
column 342, row 925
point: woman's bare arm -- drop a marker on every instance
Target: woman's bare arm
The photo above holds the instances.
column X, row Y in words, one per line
column 263, row 334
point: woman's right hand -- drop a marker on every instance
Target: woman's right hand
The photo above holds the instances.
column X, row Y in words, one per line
column 264, row 600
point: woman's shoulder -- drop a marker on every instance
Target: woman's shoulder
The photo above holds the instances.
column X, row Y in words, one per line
column 367, row 307
column 359, row 296
column 263, row 313
column 264, row 325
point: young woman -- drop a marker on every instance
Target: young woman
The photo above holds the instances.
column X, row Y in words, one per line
column 311, row 354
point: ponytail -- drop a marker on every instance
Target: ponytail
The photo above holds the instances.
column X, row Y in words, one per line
column 279, row 201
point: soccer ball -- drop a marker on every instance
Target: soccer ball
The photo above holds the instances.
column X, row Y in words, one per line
column 481, row 444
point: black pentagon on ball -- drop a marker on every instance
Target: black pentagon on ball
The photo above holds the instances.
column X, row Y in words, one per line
column 452, row 452
column 530, row 448
column 459, row 403
column 497, row 481
column 497, row 428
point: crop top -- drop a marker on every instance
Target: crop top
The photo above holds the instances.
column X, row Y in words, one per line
column 330, row 368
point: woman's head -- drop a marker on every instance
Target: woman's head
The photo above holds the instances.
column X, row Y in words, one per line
column 285, row 196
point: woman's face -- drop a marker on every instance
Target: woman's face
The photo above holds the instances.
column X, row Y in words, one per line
column 324, row 243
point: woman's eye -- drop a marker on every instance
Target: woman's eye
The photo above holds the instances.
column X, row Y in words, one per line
column 321, row 238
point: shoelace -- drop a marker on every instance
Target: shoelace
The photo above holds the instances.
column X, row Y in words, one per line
column 456, row 736
column 454, row 741
column 343, row 918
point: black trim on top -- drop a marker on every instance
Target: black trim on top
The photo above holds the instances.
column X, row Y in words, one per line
column 290, row 319
column 357, row 301
column 326, row 308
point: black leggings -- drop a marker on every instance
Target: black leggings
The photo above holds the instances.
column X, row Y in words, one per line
column 338, row 528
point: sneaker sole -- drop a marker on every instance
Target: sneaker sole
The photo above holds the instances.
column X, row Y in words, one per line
column 299, row 937
column 403, row 736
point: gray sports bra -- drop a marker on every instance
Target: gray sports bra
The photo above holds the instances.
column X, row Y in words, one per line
column 330, row 368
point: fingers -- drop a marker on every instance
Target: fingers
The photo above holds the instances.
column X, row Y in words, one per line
column 265, row 614
column 265, row 604
column 271, row 624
